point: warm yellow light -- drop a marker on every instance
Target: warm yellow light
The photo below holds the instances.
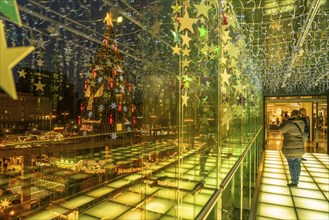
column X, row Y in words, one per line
column 119, row 19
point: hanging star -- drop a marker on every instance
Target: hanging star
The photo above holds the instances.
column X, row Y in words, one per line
column 100, row 79
column 184, row 99
column 113, row 105
column 186, row 3
column 185, row 62
column 175, row 49
column 204, row 120
column 225, row 36
column 40, row 62
column 186, row 39
column 114, row 136
column 213, row 48
column 176, row 8
column 187, row 80
column 109, row 19
column 39, row 86
column 202, row 9
column 225, row 77
column 186, row 22
column 176, row 36
column 203, row 31
column 22, row 73
column 10, row 10
column 90, row 113
column 9, row 57
column 223, row 59
column 214, row 3
column 40, row 44
column 186, row 52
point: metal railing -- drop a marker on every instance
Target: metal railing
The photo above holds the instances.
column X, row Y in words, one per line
column 214, row 198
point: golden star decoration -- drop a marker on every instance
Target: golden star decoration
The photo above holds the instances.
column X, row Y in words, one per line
column 225, row 77
column 186, row 3
column 184, row 99
column 9, row 57
column 202, row 9
column 175, row 49
column 186, row 22
column 39, row 86
column 176, row 8
column 22, row 73
column 185, row 62
column 109, row 19
column 186, row 51
column 186, row 39
column 40, row 62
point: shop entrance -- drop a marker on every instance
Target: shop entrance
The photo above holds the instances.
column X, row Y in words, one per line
column 278, row 109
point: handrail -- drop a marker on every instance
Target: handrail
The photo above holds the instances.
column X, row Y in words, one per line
column 203, row 214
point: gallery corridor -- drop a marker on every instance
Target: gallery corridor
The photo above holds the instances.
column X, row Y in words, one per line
column 310, row 200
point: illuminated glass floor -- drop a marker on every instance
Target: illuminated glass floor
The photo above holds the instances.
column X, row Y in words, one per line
column 310, row 200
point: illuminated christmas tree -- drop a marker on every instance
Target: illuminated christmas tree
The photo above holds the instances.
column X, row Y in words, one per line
column 108, row 94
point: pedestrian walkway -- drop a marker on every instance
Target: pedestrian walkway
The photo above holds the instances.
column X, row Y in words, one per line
column 310, row 200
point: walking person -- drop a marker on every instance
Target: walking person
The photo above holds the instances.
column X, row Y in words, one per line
column 293, row 145
column 306, row 119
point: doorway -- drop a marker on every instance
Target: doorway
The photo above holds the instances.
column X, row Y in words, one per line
column 277, row 109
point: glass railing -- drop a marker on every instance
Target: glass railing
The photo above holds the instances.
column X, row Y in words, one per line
column 237, row 186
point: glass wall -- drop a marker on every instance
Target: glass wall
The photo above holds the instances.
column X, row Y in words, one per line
column 167, row 121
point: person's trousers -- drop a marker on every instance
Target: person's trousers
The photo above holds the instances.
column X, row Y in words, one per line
column 294, row 169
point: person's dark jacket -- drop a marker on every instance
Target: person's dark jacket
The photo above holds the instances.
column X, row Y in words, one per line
column 293, row 144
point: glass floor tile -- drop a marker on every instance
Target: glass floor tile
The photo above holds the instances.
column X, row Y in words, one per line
column 311, row 214
column 275, row 189
column 307, row 201
column 313, row 204
column 312, row 194
column 275, row 211
column 275, row 199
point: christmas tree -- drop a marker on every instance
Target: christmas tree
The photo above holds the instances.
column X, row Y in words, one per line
column 108, row 105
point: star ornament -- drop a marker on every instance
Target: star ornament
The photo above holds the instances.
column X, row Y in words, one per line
column 9, row 57
column 184, row 99
column 175, row 49
column 10, row 10
column 202, row 9
column 22, row 73
column 39, row 86
column 187, row 22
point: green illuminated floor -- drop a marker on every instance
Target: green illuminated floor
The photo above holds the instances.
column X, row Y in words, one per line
column 310, row 200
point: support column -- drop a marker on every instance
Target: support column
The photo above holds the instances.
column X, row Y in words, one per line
column 26, row 182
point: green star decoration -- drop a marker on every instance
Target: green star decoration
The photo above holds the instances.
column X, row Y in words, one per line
column 10, row 10
column 203, row 31
column 176, row 36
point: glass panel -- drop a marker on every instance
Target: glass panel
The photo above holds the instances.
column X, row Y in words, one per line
column 275, row 211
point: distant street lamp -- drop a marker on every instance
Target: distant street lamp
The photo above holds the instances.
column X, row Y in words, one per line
column 65, row 114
